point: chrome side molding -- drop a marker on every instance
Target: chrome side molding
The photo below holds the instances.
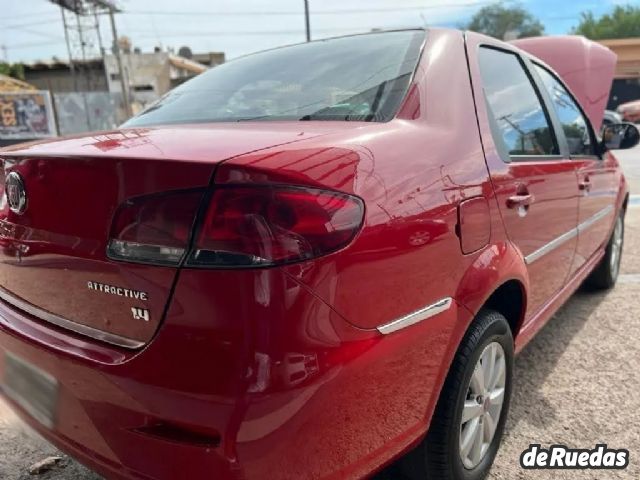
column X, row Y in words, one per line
column 68, row 324
column 598, row 216
column 552, row 245
column 417, row 316
column 556, row 242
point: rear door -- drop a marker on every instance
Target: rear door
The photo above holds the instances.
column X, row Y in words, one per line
column 535, row 183
column 596, row 176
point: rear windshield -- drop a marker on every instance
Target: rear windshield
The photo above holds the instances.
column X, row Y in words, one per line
column 357, row 78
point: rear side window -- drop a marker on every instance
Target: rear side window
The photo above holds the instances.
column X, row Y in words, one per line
column 575, row 126
column 362, row 77
column 515, row 105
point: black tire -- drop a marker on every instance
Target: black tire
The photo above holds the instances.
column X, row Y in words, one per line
column 604, row 276
column 438, row 456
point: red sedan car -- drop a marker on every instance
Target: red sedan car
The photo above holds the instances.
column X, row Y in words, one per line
column 308, row 262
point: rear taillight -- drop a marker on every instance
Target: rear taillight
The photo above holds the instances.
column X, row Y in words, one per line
column 154, row 229
column 242, row 226
column 264, row 226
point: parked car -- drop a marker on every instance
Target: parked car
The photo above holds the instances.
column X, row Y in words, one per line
column 630, row 111
column 308, row 262
column 610, row 117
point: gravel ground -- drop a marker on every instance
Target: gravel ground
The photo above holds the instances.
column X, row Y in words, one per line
column 576, row 384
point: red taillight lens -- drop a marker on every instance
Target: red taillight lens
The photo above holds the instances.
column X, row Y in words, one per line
column 263, row 226
column 242, row 227
column 154, row 229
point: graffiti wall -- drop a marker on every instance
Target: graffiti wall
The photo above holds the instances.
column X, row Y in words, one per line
column 26, row 115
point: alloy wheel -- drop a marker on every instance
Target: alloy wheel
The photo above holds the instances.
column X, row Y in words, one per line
column 616, row 248
column 483, row 405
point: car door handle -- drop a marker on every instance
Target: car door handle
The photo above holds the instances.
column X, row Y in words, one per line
column 517, row 201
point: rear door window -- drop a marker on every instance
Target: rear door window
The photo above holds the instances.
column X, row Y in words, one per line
column 517, row 110
column 574, row 124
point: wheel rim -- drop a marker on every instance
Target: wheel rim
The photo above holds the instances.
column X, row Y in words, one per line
column 483, row 405
column 616, row 248
column 418, row 238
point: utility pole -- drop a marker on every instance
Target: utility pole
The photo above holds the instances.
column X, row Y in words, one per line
column 103, row 53
column 84, row 41
column 306, row 20
column 116, row 52
column 72, row 67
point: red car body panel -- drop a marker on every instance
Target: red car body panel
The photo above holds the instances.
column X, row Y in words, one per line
column 405, row 188
column 283, row 369
column 202, row 143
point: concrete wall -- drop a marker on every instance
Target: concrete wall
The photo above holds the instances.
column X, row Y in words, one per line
column 147, row 74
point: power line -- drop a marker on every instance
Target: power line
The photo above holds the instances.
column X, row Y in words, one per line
column 23, row 25
column 42, row 34
column 313, row 12
column 32, row 15
column 147, row 34
column 17, row 46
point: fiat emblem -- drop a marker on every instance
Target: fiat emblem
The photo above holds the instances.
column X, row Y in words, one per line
column 15, row 192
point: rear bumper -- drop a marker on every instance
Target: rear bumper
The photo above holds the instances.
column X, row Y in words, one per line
column 100, row 410
column 272, row 379
column 81, row 453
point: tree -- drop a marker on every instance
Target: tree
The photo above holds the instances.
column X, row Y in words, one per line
column 505, row 22
column 15, row 70
column 622, row 22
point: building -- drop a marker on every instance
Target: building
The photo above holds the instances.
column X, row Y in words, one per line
column 210, row 59
column 89, row 97
column 149, row 75
column 626, row 85
column 56, row 76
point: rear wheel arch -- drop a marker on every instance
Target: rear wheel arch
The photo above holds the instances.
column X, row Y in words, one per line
column 509, row 299
column 497, row 280
column 435, row 456
column 482, row 288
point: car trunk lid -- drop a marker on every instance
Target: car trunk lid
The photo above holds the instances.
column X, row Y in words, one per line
column 53, row 255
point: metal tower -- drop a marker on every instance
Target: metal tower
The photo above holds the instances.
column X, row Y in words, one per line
column 84, row 40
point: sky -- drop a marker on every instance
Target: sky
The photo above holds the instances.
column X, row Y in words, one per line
column 32, row 30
